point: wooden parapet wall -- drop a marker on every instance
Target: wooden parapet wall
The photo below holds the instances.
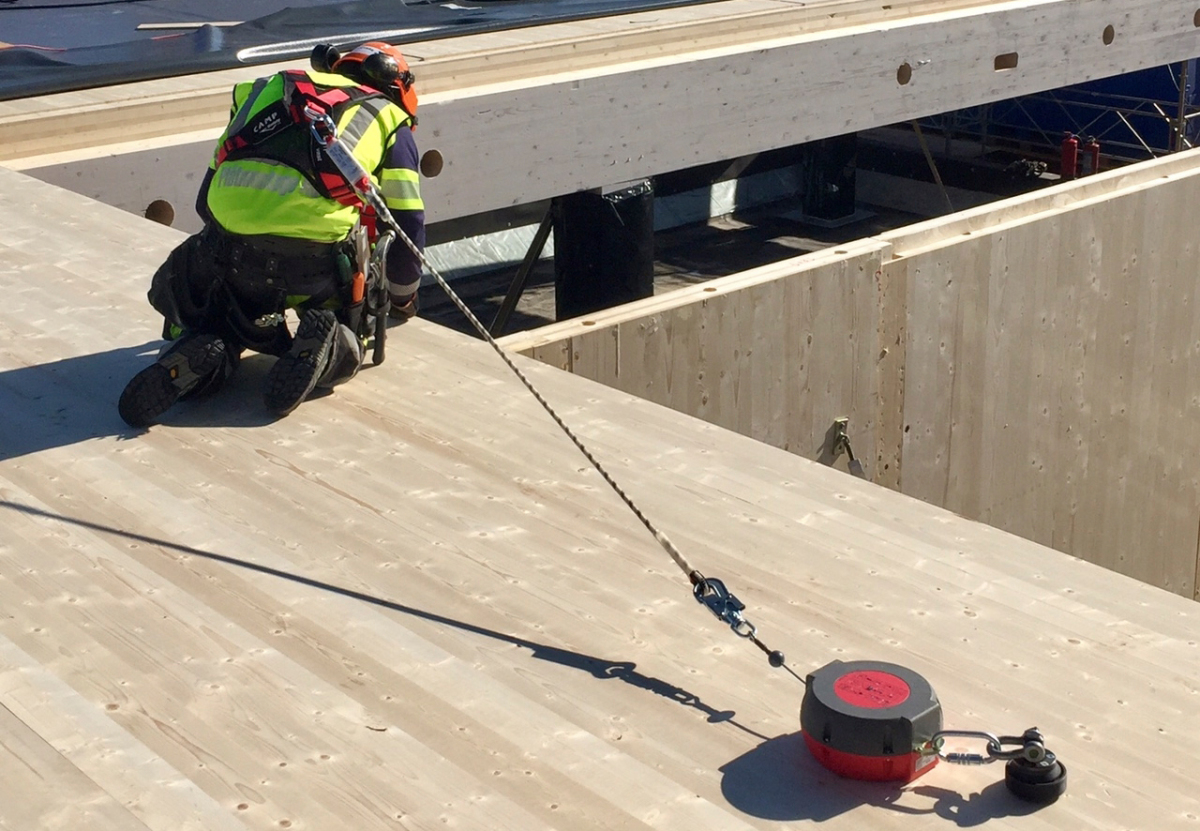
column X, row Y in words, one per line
column 776, row 353
column 1053, row 379
column 1034, row 364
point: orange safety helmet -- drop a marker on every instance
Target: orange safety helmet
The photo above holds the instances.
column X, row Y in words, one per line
column 375, row 64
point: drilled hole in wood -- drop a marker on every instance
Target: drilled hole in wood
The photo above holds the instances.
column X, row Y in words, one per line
column 1006, row 61
column 1109, row 34
column 431, row 163
column 904, row 73
column 589, row 323
column 160, row 211
column 1196, row 19
column 709, row 288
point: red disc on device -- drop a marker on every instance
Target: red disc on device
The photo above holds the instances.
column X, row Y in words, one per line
column 871, row 688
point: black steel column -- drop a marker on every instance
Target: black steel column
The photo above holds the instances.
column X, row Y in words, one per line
column 828, row 177
column 603, row 249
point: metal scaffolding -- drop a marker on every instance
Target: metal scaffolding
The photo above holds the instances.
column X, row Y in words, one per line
column 1128, row 127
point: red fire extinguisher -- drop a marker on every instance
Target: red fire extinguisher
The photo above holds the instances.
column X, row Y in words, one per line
column 1091, row 158
column 1070, row 155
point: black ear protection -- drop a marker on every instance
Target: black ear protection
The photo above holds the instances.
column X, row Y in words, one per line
column 379, row 68
column 324, row 56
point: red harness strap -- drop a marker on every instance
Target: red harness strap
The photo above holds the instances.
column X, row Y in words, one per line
column 299, row 92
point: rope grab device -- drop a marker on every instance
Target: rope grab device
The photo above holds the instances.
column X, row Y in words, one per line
column 864, row 720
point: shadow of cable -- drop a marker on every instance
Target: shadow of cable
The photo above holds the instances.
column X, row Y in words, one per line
column 777, row 780
column 968, row 811
column 780, row 780
column 599, row 668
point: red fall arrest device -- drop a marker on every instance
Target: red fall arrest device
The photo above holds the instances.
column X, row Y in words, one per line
column 866, row 719
column 882, row 722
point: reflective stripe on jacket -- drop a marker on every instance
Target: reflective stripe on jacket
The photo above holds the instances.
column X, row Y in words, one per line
column 261, row 195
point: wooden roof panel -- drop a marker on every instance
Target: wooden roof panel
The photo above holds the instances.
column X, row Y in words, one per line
column 412, row 604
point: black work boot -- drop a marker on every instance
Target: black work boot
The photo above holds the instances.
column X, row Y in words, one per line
column 189, row 362
column 345, row 358
column 295, row 374
column 216, row 380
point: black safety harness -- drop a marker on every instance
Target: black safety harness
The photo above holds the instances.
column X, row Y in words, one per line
column 282, row 132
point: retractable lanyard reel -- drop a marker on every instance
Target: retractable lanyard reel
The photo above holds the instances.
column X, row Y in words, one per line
column 864, row 720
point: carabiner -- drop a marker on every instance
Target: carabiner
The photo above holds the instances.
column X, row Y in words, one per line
column 712, row 593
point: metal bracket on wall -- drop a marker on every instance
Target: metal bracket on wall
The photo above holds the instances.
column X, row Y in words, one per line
column 841, row 442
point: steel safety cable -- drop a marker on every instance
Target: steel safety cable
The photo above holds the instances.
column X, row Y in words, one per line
column 693, row 575
column 709, row 592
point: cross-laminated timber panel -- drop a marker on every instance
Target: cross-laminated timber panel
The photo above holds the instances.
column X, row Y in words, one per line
column 1034, row 364
column 141, row 111
column 777, row 353
column 654, row 108
column 581, row 130
column 406, row 605
column 1053, row 378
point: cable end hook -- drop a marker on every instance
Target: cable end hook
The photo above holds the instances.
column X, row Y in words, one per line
column 712, row 593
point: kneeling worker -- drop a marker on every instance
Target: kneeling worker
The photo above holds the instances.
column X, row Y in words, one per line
column 284, row 231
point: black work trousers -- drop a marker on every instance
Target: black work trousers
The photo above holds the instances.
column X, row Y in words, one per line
column 238, row 287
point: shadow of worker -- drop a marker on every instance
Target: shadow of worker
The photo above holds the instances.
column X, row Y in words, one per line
column 780, row 780
column 65, row 402
column 73, row 400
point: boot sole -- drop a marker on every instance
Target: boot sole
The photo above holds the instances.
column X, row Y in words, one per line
column 159, row 386
column 294, row 376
